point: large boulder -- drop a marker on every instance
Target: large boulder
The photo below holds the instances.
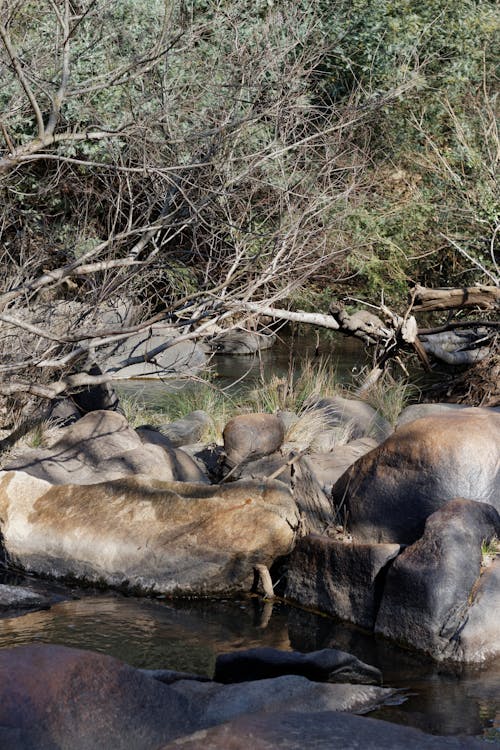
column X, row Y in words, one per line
column 427, row 598
column 57, row 698
column 339, row 578
column 153, row 353
column 388, row 494
column 101, row 447
column 144, row 534
column 251, row 436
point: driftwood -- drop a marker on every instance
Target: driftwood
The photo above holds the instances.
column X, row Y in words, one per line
column 479, row 296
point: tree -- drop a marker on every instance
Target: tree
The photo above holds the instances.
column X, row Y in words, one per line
column 171, row 154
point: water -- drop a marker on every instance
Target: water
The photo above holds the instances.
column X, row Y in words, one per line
column 236, row 375
column 188, row 635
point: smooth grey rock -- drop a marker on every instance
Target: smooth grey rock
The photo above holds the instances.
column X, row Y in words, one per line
column 362, row 418
column 430, row 586
column 157, row 355
column 317, row 730
column 187, row 430
column 147, row 535
column 98, row 447
column 479, row 639
column 169, row 676
column 241, row 342
column 251, row 436
column 339, row 578
column 418, row 411
column 388, row 494
column 184, row 467
column 327, row 665
column 329, row 467
column 220, row 703
column 20, row 597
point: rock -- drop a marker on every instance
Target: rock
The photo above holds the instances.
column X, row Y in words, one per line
column 339, row 578
column 241, row 342
column 328, row 665
column 169, row 676
column 479, row 639
column 155, row 354
column 430, row 586
column 356, row 415
column 53, row 697
column 215, row 703
column 321, row 730
column 21, row 598
column 102, row 447
column 209, row 458
column 289, row 418
column 251, row 436
column 147, row 535
column 187, row 430
column 184, row 467
column 417, row 411
column 329, row 467
column 388, row 493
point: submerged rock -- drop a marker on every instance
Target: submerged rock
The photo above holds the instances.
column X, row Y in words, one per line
column 328, row 665
column 144, row 534
column 241, row 342
column 388, row 494
column 317, row 730
column 14, row 598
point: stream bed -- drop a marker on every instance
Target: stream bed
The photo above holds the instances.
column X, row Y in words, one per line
column 187, row 635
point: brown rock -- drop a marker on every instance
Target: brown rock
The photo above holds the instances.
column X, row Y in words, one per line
column 388, row 493
column 144, row 534
column 251, row 436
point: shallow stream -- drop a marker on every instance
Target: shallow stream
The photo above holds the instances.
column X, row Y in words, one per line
column 187, row 635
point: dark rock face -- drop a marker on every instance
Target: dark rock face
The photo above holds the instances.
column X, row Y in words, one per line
column 325, row 730
column 342, row 579
column 251, row 436
column 389, row 493
column 328, row 665
column 431, row 585
column 52, row 697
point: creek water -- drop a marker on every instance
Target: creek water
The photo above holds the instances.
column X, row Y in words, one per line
column 187, row 635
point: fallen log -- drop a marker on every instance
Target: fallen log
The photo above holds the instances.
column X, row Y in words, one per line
column 480, row 295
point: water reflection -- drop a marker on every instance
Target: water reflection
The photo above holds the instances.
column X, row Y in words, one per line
column 188, row 635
